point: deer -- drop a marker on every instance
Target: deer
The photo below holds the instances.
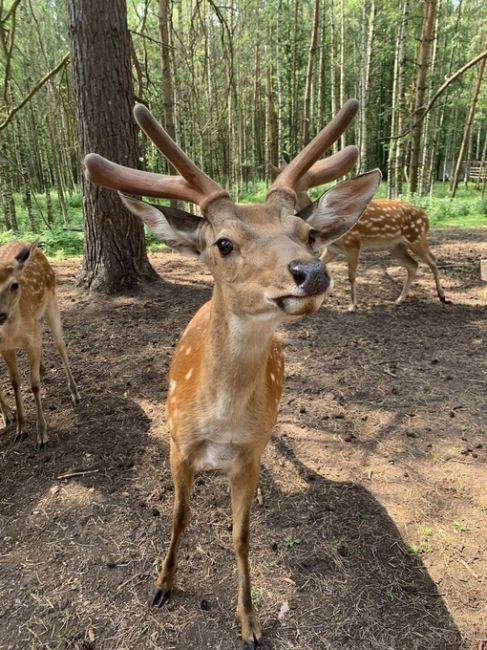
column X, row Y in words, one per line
column 227, row 372
column 27, row 292
column 386, row 225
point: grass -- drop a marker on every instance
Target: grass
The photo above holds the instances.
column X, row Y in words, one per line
column 467, row 210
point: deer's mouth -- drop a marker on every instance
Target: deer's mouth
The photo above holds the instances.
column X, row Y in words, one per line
column 299, row 305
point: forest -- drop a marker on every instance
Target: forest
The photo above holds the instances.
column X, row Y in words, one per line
column 246, row 84
column 298, row 378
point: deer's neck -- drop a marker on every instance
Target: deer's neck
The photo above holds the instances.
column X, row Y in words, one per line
column 236, row 354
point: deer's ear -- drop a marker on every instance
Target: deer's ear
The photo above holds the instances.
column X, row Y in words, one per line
column 339, row 209
column 176, row 228
column 23, row 255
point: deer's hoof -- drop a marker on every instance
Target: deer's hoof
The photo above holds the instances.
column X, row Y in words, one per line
column 42, row 446
column 20, row 437
column 257, row 644
column 159, row 597
column 445, row 301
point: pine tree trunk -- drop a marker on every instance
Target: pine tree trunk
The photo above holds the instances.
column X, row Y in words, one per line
column 368, row 24
column 334, row 68
column 271, row 122
column 400, row 143
column 423, row 68
column 167, row 81
column 427, row 152
column 309, row 74
column 114, row 249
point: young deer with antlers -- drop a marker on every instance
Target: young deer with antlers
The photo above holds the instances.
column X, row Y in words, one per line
column 27, row 291
column 226, row 375
column 386, row 225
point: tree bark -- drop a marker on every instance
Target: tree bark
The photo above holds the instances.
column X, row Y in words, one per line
column 114, row 250
column 309, row 74
column 368, row 23
column 423, row 68
column 167, row 81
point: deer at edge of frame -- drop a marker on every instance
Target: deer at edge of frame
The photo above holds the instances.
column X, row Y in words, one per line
column 27, row 292
column 227, row 371
column 386, row 225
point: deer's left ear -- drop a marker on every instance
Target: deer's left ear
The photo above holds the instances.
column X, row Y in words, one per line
column 339, row 209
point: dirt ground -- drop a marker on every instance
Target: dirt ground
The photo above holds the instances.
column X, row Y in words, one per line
column 370, row 523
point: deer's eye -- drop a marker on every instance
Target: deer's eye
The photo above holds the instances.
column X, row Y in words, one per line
column 225, row 246
column 312, row 235
column 14, row 286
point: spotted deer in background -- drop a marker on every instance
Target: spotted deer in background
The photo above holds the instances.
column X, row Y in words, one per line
column 386, row 224
column 27, row 292
column 227, row 372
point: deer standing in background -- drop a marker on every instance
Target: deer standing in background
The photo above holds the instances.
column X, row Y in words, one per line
column 386, row 224
column 226, row 375
column 27, row 292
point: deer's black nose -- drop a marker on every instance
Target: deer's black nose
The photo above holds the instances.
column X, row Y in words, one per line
column 311, row 277
column 3, row 317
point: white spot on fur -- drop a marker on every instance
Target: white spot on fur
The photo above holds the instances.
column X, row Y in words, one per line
column 188, row 374
column 172, row 386
column 188, row 351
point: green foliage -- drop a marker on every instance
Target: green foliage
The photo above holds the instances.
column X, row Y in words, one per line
column 467, row 210
column 292, row 541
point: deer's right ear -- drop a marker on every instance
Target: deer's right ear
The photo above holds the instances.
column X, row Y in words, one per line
column 176, row 228
column 23, row 255
column 339, row 209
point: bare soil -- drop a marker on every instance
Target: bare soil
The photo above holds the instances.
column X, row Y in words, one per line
column 370, row 520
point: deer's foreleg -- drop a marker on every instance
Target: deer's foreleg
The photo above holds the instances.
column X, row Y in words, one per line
column 243, row 484
column 34, row 353
column 11, row 361
column 352, row 254
column 6, row 412
column 182, row 474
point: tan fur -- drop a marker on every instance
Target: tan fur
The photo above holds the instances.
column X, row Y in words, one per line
column 23, row 308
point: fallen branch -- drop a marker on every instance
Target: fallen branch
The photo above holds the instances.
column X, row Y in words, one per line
column 73, row 474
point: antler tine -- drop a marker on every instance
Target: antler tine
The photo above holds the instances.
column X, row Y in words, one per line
column 328, row 169
column 206, row 188
column 288, row 180
column 106, row 173
column 194, row 185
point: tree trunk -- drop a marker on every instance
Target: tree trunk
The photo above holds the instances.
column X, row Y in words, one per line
column 427, row 150
column 309, row 73
column 334, row 68
column 167, row 81
column 114, row 249
column 343, row 138
column 400, row 144
column 468, row 124
column 368, row 23
column 271, row 122
column 423, row 67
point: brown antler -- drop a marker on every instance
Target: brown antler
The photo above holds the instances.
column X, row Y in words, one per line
column 193, row 184
column 304, row 172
